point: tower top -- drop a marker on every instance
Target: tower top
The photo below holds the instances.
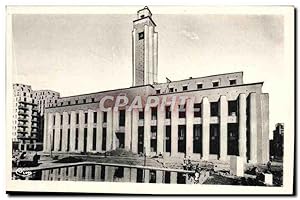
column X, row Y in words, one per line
column 145, row 12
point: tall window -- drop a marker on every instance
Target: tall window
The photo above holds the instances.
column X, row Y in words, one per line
column 181, row 138
column 104, row 139
column 60, row 140
column 181, row 109
column 68, row 140
column 122, row 118
column 54, row 120
column 94, row 138
column 69, row 118
column 104, row 117
column 197, row 110
column 232, row 108
column 168, row 112
column 214, row 108
column 95, row 117
column 77, row 118
column 153, row 139
column 61, row 119
column 153, row 113
column 141, row 114
column 76, row 139
column 85, row 118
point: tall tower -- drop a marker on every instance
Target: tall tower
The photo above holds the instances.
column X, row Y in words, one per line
column 144, row 49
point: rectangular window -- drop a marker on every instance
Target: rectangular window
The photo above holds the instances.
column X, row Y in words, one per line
column 232, row 82
column 95, row 117
column 84, row 100
column 232, row 108
column 122, row 118
column 197, row 110
column 141, row 114
column 158, row 91
column 215, row 83
column 68, row 140
column 184, row 88
column 199, row 86
column 76, row 138
column 168, row 138
column 181, row 138
column 93, row 99
column 181, row 109
column 77, row 118
column 104, row 139
column 171, row 89
column 141, row 35
column 197, row 138
column 94, row 138
column 153, row 113
column 153, row 141
column 76, row 101
column 214, row 108
column 168, row 112
column 60, row 140
column 85, row 118
column 104, row 117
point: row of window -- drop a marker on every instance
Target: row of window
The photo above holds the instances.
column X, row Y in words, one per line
column 85, row 118
column 199, row 86
column 76, row 102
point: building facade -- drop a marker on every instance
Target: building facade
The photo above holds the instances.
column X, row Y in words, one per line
column 276, row 144
column 28, row 109
column 25, row 118
column 220, row 116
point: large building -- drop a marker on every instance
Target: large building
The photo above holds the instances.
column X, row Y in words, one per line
column 276, row 144
column 220, row 115
column 28, row 109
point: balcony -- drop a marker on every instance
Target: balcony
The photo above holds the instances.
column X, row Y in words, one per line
column 23, row 113
column 27, row 102
column 22, row 131
column 24, row 125
column 23, row 107
column 34, row 125
column 35, row 109
column 23, row 119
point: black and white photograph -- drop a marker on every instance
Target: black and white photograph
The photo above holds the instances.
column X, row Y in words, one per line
column 150, row 99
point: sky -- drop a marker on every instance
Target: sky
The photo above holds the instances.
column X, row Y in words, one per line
column 77, row 54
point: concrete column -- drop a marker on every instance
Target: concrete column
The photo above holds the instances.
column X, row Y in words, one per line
column 97, row 172
column 55, row 174
column 57, row 131
column 242, row 127
column 88, row 172
column 265, row 127
column 146, row 54
column 174, row 131
column 173, row 177
column 99, row 130
column 126, row 178
column 115, row 127
column 90, row 130
column 79, row 173
column 147, row 130
column 128, row 129
column 155, row 55
column 223, row 127
column 46, row 136
column 253, row 128
column 71, row 174
column 205, row 128
column 63, row 176
column 133, row 175
column 159, row 176
column 109, row 130
column 160, row 128
column 81, row 131
column 189, row 126
column 151, row 54
column 109, row 173
column 72, row 131
column 146, row 176
column 49, row 131
column 64, row 132
column 134, row 129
